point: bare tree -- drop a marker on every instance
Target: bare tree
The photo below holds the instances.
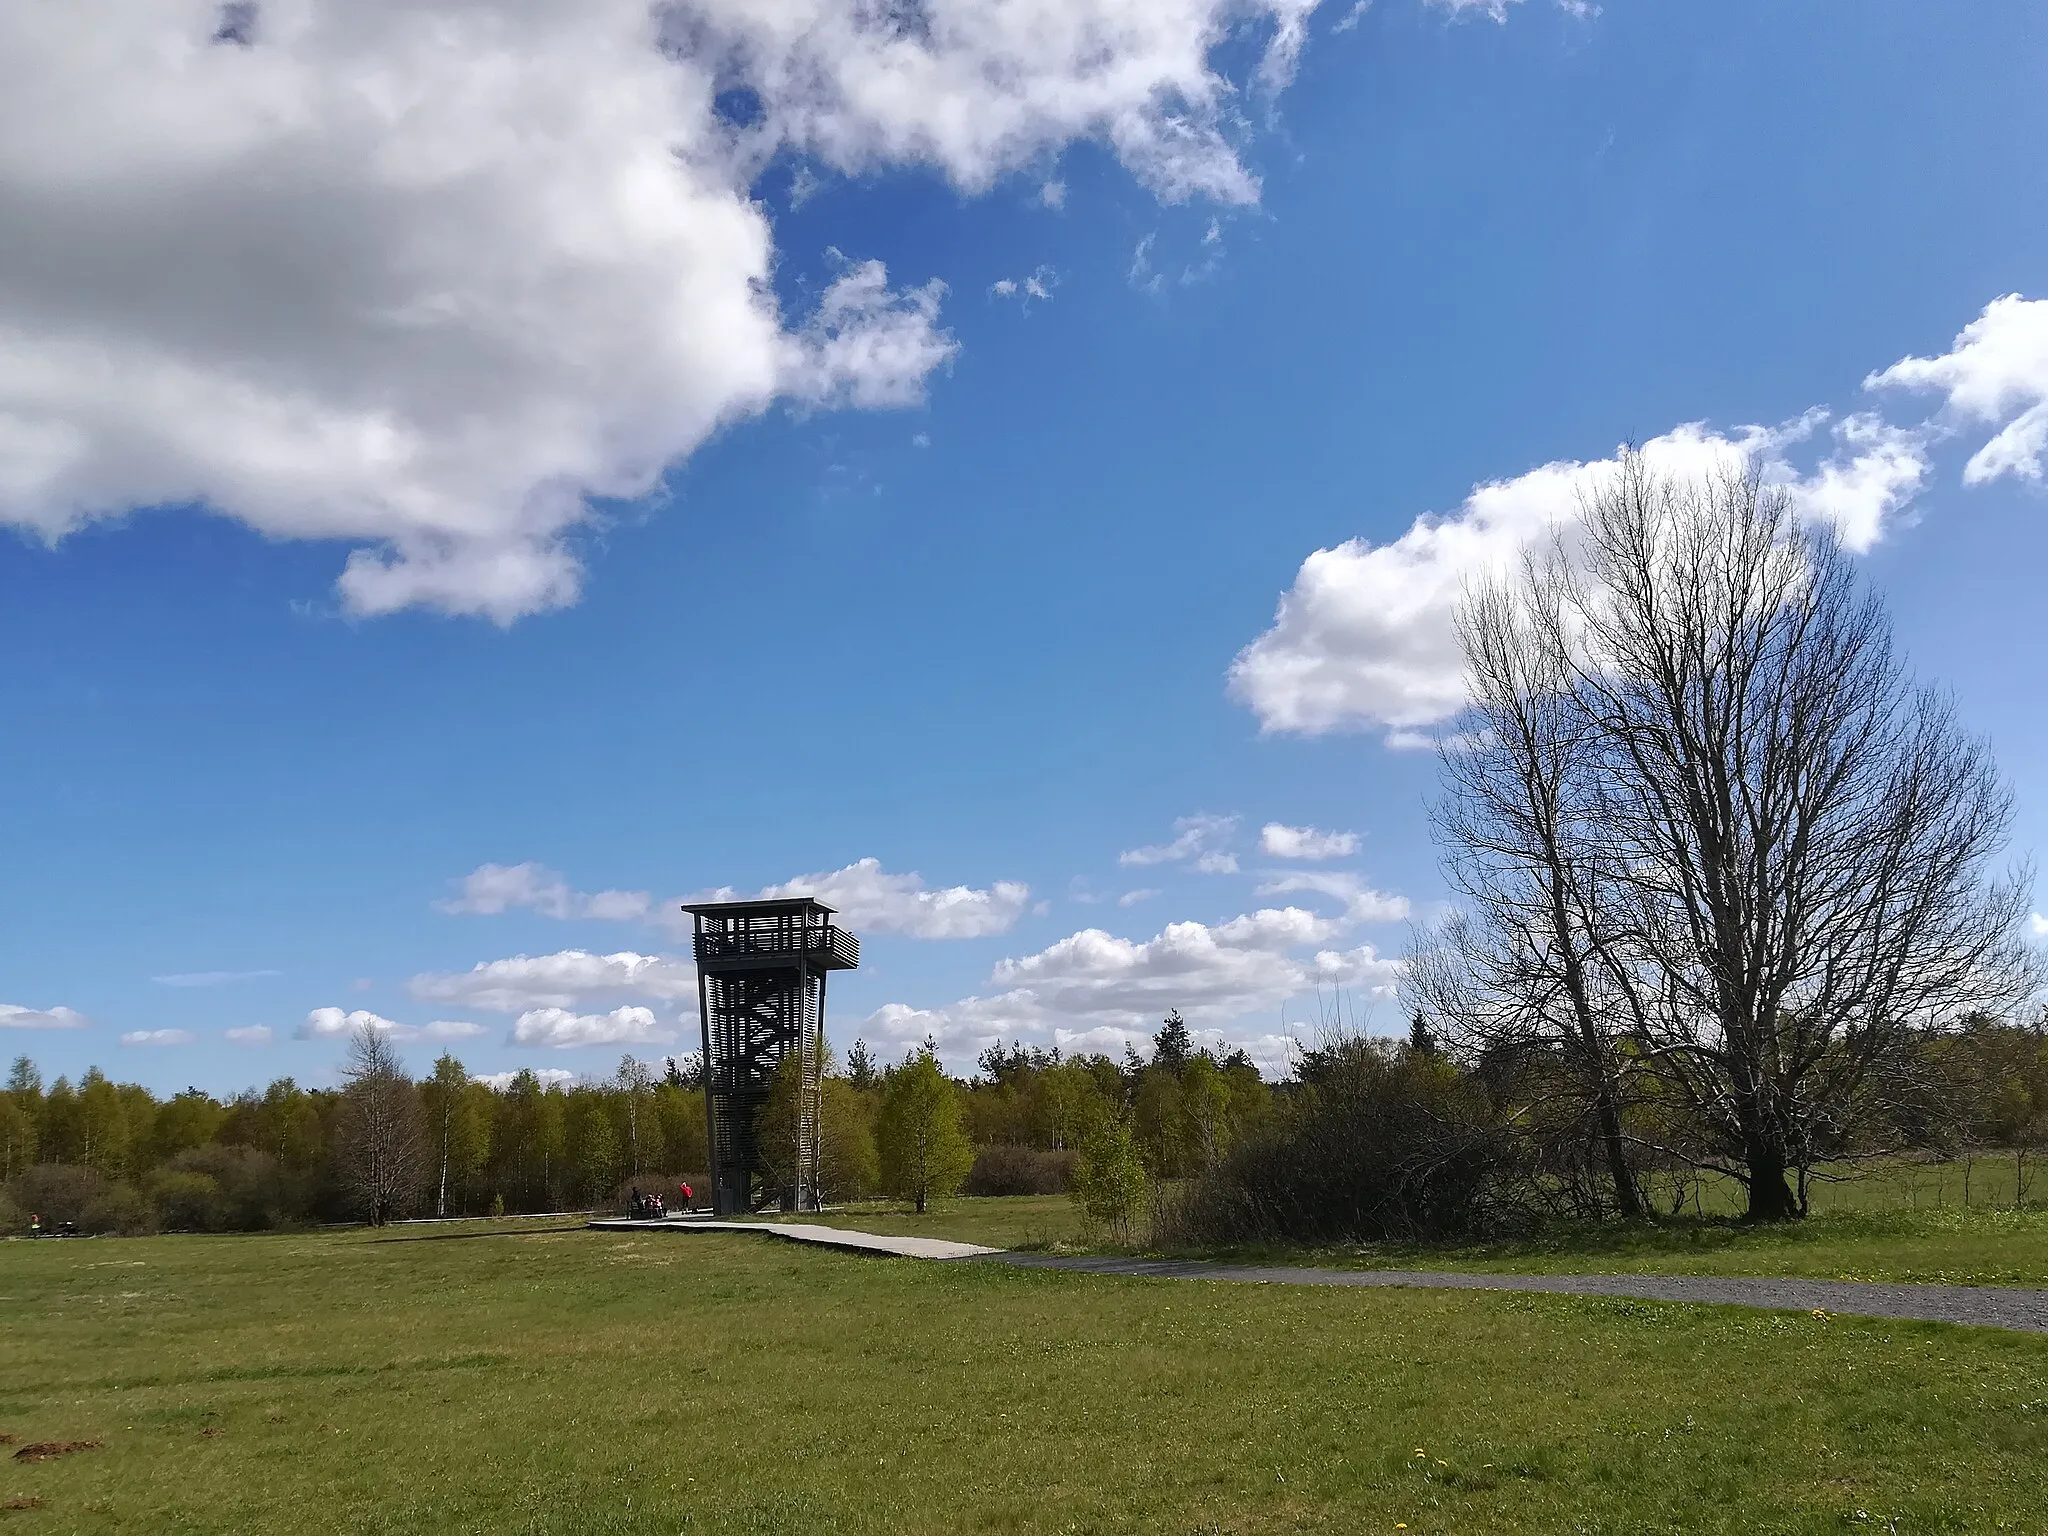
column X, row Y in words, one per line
column 1515, row 973
column 1793, row 841
column 380, row 1142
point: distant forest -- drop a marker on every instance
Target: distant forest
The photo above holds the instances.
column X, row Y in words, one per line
column 111, row 1156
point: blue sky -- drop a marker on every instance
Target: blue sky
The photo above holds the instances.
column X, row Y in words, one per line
column 558, row 497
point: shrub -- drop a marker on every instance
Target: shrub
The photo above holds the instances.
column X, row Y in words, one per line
column 117, row 1208
column 12, row 1217
column 1109, row 1178
column 253, row 1190
column 184, row 1202
column 1020, row 1171
column 58, row 1192
column 1378, row 1142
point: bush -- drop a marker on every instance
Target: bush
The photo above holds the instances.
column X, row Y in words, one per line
column 253, row 1190
column 184, row 1202
column 12, row 1217
column 117, row 1208
column 1020, row 1171
column 57, row 1192
column 1110, row 1184
column 1378, row 1142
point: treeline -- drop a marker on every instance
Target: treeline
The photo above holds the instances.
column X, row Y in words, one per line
column 113, row 1157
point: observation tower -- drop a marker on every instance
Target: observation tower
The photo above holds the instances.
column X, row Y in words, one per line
column 761, row 969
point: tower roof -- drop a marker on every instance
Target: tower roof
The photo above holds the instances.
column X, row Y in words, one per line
column 791, row 904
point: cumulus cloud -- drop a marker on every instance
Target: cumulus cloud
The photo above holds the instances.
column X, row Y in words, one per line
column 550, row 1077
column 1996, row 374
column 564, row 1029
column 14, row 1016
column 1362, row 904
column 157, row 1037
column 1279, row 841
column 869, row 899
column 427, row 277
column 2039, row 925
column 1094, row 984
column 339, row 1024
column 1198, row 839
column 495, row 888
column 251, row 1034
column 1365, row 637
column 568, row 979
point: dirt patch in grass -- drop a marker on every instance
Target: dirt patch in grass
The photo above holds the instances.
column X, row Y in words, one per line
column 50, row 1450
column 23, row 1501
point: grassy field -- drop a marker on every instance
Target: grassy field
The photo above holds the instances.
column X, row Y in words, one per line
column 1871, row 1235
column 493, row 1380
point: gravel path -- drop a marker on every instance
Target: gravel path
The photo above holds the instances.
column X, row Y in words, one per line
column 1985, row 1306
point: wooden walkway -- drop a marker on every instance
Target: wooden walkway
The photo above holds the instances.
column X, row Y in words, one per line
column 810, row 1232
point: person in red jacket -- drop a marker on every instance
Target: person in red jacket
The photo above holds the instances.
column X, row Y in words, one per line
column 685, row 1191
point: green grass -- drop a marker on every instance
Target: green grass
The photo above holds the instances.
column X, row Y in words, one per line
column 582, row 1381
column 1941, row 1245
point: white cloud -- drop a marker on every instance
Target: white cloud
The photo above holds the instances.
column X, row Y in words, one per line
column 869, row 899
column 1194, row 837
column 566, row 979
column 494, row 888
column 1093, row 989
column 1132, row 898
column 1279, row 841
column 427, row 276
column 1860, row 489
column 562, row 1029
column 157, row 1037
column 14, row 1016
column 1365, row 637
column 209, row 978
column 1493, row 10
column 1996, row 374
column 550, row 1077
column 339, row 1024
column 1353, row 17
column 1141, row 274
column 252, row 1034
column 1053, row 194
column 1036, row 285
column 2039, row 925
column 1362, row 904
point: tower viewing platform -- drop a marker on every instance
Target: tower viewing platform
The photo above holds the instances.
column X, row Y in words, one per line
column 761, row 969
column 738, row 934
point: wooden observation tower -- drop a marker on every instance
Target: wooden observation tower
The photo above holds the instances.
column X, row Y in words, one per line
column 761, row 969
